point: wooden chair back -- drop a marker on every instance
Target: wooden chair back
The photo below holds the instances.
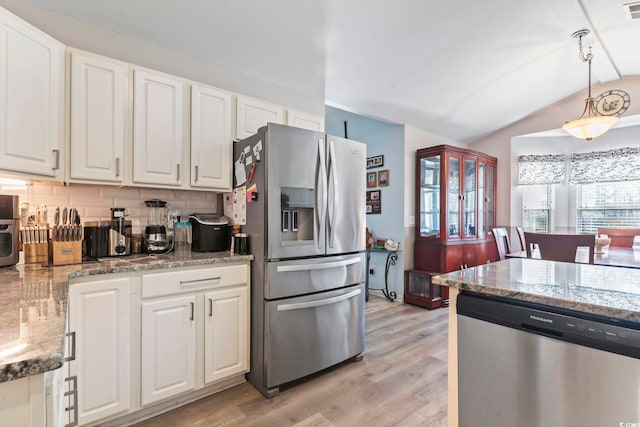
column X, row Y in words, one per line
column 620, row 237
column 559, row 247
column 523, row 242
column 501, row 237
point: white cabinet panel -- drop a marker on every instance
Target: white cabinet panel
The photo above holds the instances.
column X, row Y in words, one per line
column 31, row 99
column 226, row 334
column 99, row 315
column 211, row 141
column 98, row 108
column 158, row 108
column 252, row 114
column 168, row 348
column 303, row 120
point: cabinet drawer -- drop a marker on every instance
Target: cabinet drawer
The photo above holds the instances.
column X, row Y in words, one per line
column 157, row 284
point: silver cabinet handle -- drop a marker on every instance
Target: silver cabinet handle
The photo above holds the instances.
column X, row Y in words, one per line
column 210, row 307
column 318, row 266
column 72, row 407
column 318, row 303
column 117, row 167
column 193, row 314
column 178, row 172
column 196, row 173
column 196, row 281
column 56, row 153
column 72, row 356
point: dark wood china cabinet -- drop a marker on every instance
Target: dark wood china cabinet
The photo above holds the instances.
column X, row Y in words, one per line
column 455, row 212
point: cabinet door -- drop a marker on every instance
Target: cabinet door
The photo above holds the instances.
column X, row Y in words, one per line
column 211, row 142
column 428, row 196
column 226, row 334
column 304, row 120
column 98, row 108
column 158, row 108
column 31, row 99
column 168, row 348
column 469, row 197
column 99, row 315
column 252, row 114
column 454, row 195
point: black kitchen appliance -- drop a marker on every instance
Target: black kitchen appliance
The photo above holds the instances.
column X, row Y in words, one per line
column 211, row 232
column 108, row 238
column 9, row 229
column 155, row 238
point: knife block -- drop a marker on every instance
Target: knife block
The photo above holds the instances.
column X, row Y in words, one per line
column 36, row 253
column 66, row 252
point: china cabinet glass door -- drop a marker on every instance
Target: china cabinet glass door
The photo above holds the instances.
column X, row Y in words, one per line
column 453, row 197
column 482, row 202
column 469, row 198
column 490, row 199
column 430, row 196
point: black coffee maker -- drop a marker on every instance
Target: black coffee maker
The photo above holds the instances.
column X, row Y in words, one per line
column 9, row 229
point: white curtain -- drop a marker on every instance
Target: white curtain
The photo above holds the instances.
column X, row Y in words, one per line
column 541, row 169
column 621, row 164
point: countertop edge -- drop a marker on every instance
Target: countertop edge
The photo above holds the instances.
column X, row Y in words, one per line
column 585, row 307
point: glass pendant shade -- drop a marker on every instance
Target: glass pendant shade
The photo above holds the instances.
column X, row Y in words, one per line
column 590, row 124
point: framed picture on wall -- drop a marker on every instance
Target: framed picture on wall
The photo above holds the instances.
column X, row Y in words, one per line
column 374, row 204
column 372, row 180
column 375, row 162
column 383, row 178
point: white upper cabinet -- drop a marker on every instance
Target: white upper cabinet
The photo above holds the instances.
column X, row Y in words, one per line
column 31, row 99
column 158, row 129
column 211, row 141
column 98, row 117
column 303, row 120
column 252, row 114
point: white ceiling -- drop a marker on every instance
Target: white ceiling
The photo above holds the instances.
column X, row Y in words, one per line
column 458, row 69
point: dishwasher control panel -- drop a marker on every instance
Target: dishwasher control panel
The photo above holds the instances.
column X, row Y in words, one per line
column 567, row 325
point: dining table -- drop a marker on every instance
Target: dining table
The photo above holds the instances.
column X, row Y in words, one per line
column 617, row 257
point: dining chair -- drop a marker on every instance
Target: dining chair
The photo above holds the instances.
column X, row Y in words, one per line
column 523, row 242
column 560, row 247
column 620, row 237
column 501, row 237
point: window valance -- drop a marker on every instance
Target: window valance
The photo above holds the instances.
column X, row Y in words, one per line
column 621, row 164
column 541, row 169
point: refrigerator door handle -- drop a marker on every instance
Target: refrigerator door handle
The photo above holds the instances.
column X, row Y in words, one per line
column 335, row 202
column 318, row 303
column 319, row 266
column 321, row 181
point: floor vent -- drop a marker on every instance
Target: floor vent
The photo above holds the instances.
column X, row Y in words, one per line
column 633, row 10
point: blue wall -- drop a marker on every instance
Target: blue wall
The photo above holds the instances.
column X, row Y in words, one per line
column 384, row 139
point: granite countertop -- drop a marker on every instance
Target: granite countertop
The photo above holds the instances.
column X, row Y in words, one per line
column 602, row 290
column 33, row 305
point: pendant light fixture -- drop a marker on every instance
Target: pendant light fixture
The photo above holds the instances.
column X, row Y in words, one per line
column 590, row 124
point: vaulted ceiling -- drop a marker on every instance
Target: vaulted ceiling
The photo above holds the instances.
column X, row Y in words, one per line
column 460, row 69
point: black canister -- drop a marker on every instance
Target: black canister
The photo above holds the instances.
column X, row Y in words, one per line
column 241, row 244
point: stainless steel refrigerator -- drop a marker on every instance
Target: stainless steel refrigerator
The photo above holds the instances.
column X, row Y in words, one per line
column 306, row 225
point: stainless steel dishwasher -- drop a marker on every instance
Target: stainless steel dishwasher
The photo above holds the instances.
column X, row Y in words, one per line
column 523, row 364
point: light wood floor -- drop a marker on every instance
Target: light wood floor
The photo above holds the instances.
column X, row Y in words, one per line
column 402, row 381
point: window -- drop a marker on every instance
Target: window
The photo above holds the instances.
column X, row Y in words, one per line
column 608, row 204
column 537, row 207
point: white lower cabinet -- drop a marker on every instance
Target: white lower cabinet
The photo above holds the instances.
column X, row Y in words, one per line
column 226, row 334
column 168, row 348
column 100, row 327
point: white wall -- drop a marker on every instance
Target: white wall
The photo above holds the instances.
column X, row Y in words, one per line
column 81, row 35
column 415, row 139
column 499, row 145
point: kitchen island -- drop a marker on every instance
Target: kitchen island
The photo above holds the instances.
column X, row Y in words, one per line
column 594, row 291
column 33, row 310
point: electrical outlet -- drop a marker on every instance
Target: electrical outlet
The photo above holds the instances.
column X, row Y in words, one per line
column 372, row 271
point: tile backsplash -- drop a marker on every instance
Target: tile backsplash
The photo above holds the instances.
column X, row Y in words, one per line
column 93, row 201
